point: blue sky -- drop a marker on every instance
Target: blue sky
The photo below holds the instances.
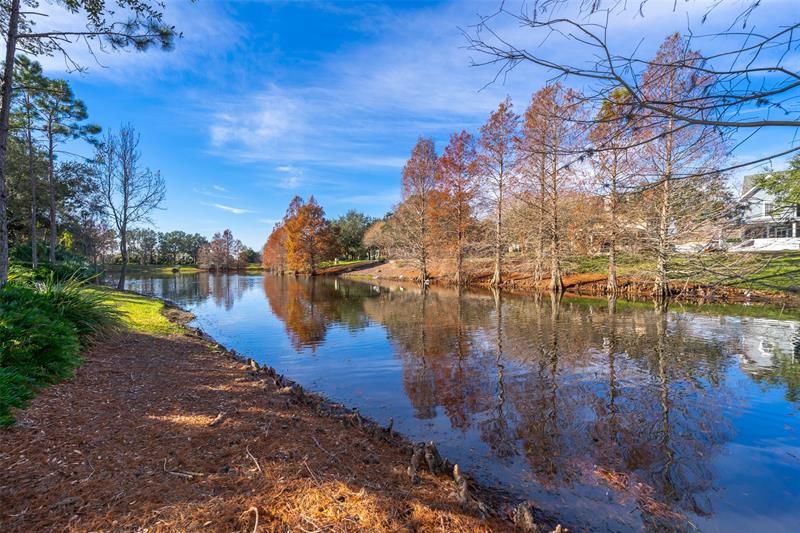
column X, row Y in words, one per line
column 261, row 101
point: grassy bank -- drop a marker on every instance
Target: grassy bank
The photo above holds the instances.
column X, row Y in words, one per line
column 725, row 276
column 775, row 272
column 139, row 313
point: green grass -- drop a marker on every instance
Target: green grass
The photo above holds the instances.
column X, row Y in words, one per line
column 627, row 264
column 771, row 271
column 326, row 264
column 84, row 307
column 140, row 313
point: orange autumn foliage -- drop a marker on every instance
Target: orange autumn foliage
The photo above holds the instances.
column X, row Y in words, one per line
column 301, row 241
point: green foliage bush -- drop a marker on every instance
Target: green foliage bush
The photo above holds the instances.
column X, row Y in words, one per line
column 21, row 254
column 15, row 390
column 37, row 345
column 43, row 320
column 33, row 334
column 86, row 309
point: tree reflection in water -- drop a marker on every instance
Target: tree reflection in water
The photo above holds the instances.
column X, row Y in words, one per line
column 588, row 396
column 614, row 411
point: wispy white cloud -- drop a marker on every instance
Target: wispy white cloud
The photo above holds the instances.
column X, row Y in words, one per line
column 215, row 192
column 199, row 23
column 231, row 209
column 363, row 99
column 259, row 126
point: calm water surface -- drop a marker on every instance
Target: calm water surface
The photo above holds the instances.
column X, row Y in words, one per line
column 618, row 418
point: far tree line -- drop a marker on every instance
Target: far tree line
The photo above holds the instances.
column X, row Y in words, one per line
column 147, row 246
column 304, row 238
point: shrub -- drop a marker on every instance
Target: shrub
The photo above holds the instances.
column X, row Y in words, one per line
column 38, row 345
column 15, row 390
column 45, row 314
column 45, row 271
column 86, row 308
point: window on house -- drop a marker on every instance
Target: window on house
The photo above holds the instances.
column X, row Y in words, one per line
column 768, row 208
column 782, row 232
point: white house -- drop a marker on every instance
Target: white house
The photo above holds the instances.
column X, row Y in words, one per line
column 767, row 227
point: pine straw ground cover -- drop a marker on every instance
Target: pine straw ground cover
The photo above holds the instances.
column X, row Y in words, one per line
column 161, row 432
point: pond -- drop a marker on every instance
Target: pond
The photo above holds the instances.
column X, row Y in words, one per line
column 610, row 417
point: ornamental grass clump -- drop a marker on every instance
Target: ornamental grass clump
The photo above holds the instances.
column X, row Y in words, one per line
column 87, row 308
column 44, row 320
column 37, row 346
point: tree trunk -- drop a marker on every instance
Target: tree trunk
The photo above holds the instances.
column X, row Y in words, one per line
column 498, row 237
column 460, row 246
column 459, row 264
column 52, row 194
column 662, row 279
column 5, row 111
column 539, row 261
column 423, row 241
column 123, row 248
column 662, row 276
column 612, row 237
column 556, row 284
column 32, row 176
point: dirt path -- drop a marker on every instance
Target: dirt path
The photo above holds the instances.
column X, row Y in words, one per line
column 135, row 442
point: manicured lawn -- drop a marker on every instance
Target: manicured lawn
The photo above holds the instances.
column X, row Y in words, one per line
column 773, row 271
column 140, row 313
column 326, row 264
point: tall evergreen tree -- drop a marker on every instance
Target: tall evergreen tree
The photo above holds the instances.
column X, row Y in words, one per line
column 31, row 83
column 63, row 118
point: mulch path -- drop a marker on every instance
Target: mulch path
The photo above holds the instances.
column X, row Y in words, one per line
column 135, row 442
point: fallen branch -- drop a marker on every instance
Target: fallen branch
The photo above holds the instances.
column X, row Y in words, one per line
column 217, row 420
column 247, row 449
column 181, row 473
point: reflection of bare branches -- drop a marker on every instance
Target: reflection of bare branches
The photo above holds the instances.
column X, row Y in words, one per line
column 631, row 395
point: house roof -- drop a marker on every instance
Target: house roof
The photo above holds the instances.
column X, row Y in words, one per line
column 749, row 183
